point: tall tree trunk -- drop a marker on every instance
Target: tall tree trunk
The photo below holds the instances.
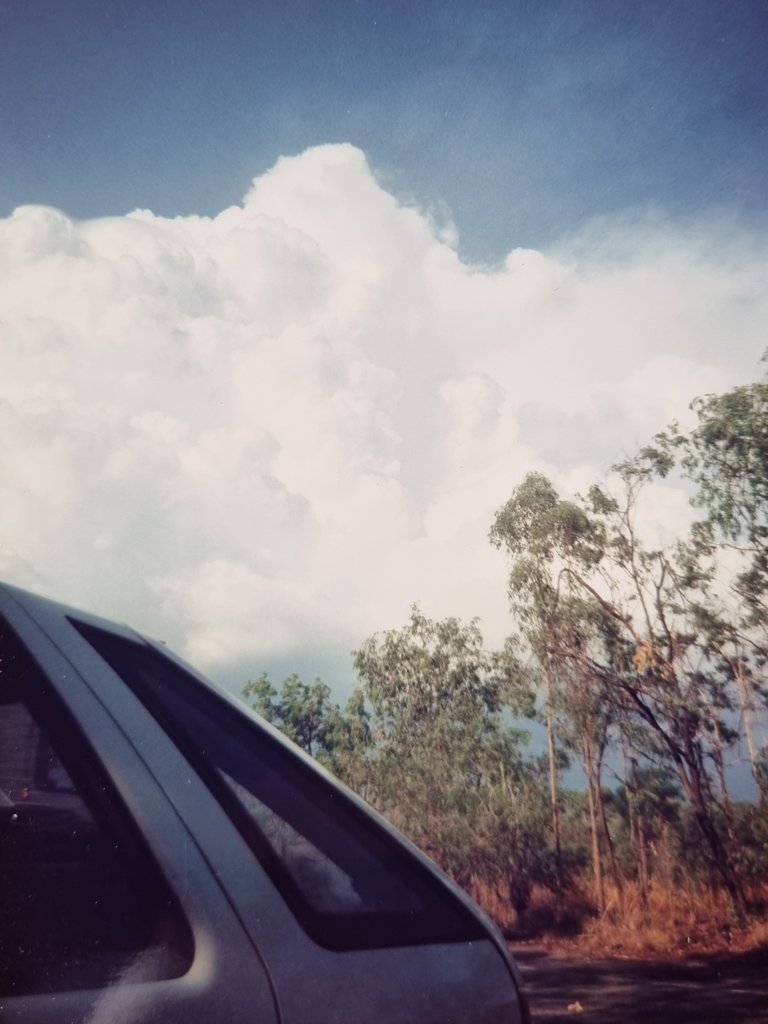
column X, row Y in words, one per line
column 597, row 866
column 643, row 872
column 604, row 824
column 696, row 785
column 687, row 757
column 723, row 785
column 636, row 824
column 554, row 794
column 747, row 708
column 640, row 845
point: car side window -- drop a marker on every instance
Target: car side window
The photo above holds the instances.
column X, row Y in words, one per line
column 82, row 903
column 349, row 883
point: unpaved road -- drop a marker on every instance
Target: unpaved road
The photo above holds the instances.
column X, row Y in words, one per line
column 730, row 989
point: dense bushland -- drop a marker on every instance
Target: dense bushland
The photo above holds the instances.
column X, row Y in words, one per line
column 644, row 659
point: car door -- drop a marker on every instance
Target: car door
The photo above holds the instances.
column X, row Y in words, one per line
column 350, row 921
column 110, row 913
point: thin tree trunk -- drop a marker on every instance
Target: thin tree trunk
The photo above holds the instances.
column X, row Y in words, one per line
column 697, row 790
column 724, row 792
column 597, row 867
column 554, row 795
column 745, row 700
column 687, row 758
column 640, row 840
column 606, row 831
column 643, row 874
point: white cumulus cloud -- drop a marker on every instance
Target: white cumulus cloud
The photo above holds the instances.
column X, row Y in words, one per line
column 267, row 432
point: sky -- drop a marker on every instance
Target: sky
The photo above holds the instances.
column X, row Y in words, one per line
column 293, row 295
column 519, row 121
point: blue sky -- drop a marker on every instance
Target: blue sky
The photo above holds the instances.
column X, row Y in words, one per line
column 296, row 293
column 518, row 120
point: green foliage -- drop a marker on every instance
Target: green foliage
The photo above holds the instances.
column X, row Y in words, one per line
column 655, row 656
column 628, row 635
column 449, row 769
column 752, row 837
column 302, row 711
column 537, row 526
column 727, row 458
column 426, row 672
column 427, row 739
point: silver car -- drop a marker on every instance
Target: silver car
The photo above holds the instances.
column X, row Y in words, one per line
column 166, row 857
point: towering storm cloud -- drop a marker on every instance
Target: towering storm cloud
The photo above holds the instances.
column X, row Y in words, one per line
column 273, row 429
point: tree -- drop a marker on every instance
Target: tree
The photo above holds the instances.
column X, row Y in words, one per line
column 447, row 766
column 649, row 803
column 348, row 743
column 301, row 710
column 539, row 531
column 726, row 458
column 647, row 658
column 655, row 595
column 588, row 716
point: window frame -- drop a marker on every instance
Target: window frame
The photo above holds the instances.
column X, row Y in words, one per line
column 56, row 732
column 151, row 779
column 444, row 917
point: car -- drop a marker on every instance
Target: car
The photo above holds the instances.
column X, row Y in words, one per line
column 167, row 856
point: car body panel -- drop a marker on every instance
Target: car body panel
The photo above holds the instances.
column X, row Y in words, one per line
column 206, row 990
column 238, row 917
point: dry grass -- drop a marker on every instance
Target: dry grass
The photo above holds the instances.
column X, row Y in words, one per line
column 674, row 921
column 544, row 919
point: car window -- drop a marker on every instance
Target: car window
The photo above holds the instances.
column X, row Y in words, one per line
column 349, row 883
column 82, row 904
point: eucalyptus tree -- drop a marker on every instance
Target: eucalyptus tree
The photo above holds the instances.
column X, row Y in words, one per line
column 447, row 765
column 589, row 718
column 303, row 711
column 655, row 595
column 539, row 532
column 650, row 662
column 725, row 456
column 649, row 802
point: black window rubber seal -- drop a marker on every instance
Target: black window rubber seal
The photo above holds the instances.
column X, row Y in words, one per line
column 443, row 919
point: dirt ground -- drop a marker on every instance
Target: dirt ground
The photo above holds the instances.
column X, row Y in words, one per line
column 716, row 989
